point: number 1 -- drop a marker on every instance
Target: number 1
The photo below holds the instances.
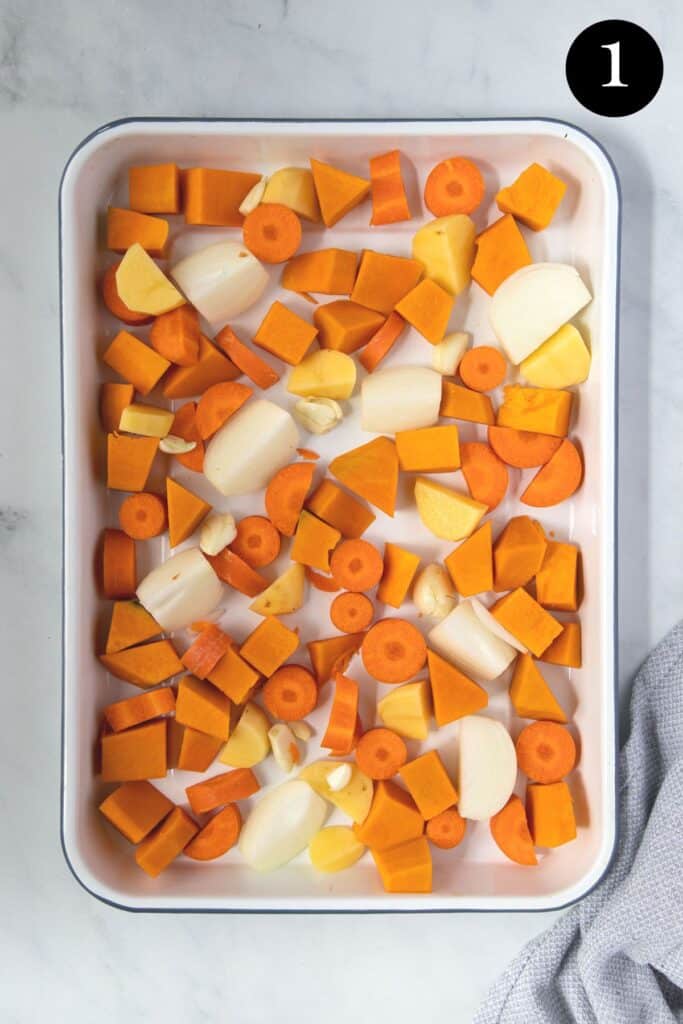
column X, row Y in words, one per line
column 615, row 66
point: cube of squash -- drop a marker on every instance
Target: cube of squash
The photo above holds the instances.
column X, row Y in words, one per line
column 538, row 410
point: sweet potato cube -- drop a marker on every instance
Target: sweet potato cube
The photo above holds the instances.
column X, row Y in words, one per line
column 138, row 753
column 518, row 553
column 427, row 308
column 461, row 403
column 269, row 646
column 428, row 783
column 533, row 198
column 201, row 706
column 524, row 617
column 501, row 250
column 566, row 649
column 135, row 808
column 471, row 564
column 538, row 410
column 340, row 510
column 407, row 867
column 393, row 818
column 557, row 579
column 136, row 362
column 285, row 334
column 345, row 326
column 213, row 196
column 429, row 449
column 166, row 842
column 154, row 189
column 550, row 812
column 384, row 280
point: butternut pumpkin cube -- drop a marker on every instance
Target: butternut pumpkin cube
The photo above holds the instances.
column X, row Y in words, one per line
column 538, row 410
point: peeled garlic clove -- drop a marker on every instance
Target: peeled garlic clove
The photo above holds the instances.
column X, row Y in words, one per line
column 447, row 354
column 301, row 730
column 182, row 590
column 218, row 530
column 281, row 825
column 433, row 592
column 284, row 747
column 339, row 777
column 318, row 415
column 253, row 197
column 173, row 445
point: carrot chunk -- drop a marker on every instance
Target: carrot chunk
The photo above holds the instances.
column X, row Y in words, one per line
column 455, row 185
column 350, row 612
column 356, row 565
column 272, row 232
column 143, row 515
column 546, row 751
column 381, row 753
column 393, row 651
column 291, row 693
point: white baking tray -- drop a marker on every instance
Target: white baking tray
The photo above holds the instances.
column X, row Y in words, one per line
column 585, row 232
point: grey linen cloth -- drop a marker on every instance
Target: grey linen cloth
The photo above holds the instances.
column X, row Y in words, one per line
column 617, row 956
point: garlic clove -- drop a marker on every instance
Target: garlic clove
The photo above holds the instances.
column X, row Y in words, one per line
column 301, row 730
column 253, row 197
column 218, row 530
column 173, row 445
column 433, row 592
column 284, row 747
column 339, row 777
column 318, row 415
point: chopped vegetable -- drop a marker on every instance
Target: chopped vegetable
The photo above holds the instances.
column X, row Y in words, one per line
column 272, row 232
column 455, row 185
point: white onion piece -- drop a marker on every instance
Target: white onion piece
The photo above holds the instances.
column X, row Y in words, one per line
column 281, row 825
column 487, row 767
column 463, row 639
column 222, row 280
column 400, row 398
column 485, row 617
column 247, row 450
column 181, row 590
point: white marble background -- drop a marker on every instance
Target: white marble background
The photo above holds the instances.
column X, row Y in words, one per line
column 65, row 67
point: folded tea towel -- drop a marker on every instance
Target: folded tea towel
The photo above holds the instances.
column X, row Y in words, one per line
column 617, row 956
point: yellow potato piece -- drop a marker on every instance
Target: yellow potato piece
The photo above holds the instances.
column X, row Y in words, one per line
column 353, row 799
column 142, row 286
column 249, row 743
column 293, row 187
column 560, row 362
column 334, row 849
column 284, row 595
column 447, row 513
column 147, row 420
column 407, row 710
column 445, row 247
column 323, row 374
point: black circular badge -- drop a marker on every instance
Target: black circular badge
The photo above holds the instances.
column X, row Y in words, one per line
column 614, row 68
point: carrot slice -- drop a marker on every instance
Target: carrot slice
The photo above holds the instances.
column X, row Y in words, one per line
column 272, row 232
column 380, row 753
column 233, row 570
column 285, row 496
column 350, row 612
column 308, row 453
column 382, row 342
column 454, row 186
column 217, row 405
column 393, row 651
column 291, row 693
column 257, row 541
column 557, row 480
column 485, row 474
column 483, row 368
column 546, row 751
column 143, row 515
column 206, row 651
column 320, row 582
column 115, row 303
column 185, row 426
column 446, row 830
column 217, row 836
column 237, row 784
column 119, row 573
column 252, row 366
column 356, row 565
column 522, row 448
column 341, row 728
column 510, row 831
column 387, row 191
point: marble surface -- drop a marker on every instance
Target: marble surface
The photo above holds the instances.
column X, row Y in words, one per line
column 68, row 66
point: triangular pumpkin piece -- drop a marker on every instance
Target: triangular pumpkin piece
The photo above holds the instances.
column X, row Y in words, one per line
column 370, row 471
column 327, row 655
column 471, row 564
column 338, row 192
column 185, row 511
column 130, row 625
column 212, row 368
column 453, row 694
column 530, row 694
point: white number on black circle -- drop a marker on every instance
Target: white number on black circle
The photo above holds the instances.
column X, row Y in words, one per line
column 615, row 66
